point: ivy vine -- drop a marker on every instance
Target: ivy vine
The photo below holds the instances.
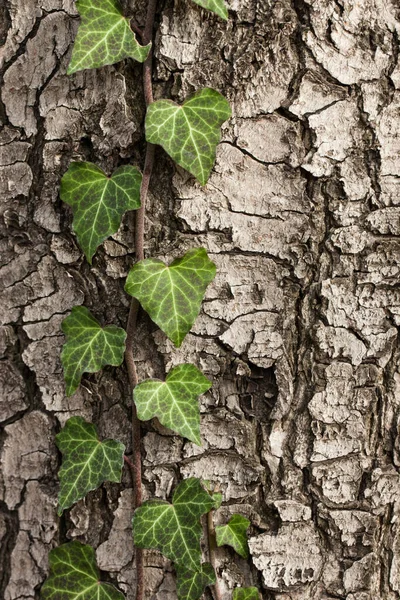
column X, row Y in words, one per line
column 172, row 297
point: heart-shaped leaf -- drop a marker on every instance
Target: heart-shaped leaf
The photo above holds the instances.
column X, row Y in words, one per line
column 174, row 528
column 89, row 347
column 216, row 6
column 174, row 401
column 87, row 462
column 189, row 133
column 191, row 584
column 250, row 593
column 74, row 575
column 234, row 534
column 104, row 36
column 172, row 295
column 98, row 201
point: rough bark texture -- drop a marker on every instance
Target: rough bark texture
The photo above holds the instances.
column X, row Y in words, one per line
column 299, row 331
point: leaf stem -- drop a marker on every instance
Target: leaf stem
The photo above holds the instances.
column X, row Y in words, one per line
column 136, row 463
column 129, row 462
column 212, row 550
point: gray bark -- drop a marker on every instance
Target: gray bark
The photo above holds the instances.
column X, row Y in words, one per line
column 299, row 331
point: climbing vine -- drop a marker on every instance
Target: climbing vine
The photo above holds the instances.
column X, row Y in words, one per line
column 172, row 296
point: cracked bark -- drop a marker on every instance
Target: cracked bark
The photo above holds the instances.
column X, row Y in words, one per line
column 299, row 331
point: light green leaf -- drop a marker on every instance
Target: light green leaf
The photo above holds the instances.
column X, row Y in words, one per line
column 104, row 36
column 172, row 295
column 74, row 575
column 174, row 401
column 234, row 534
column 191, row 584
column 216, row 6
column 87, row 462
column 89, row 347
column 174, row 528
column 189, row 133
column 217, row 497
column 250, row 593
column 98, row 201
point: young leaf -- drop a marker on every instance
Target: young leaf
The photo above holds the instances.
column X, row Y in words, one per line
column 74, row 575
column 174, row 401
column 250, row 593
column 174, row 528
column 104, row 37
column 172, row 295
column 89, row 347
column 87, row 462
column 234, row 534
column 98, row 201
column 191, row 584
column 189, row 133
column 216, row 6
column 217, row 497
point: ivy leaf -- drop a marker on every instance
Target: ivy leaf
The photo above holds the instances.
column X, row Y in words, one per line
column 104, row 36
column 217, row 497
column 174, row 401
column 74, row 575
column 216, row 6
column 234, row 534
column 98, row 201
column 89, row 347
column 250, row 593
column 189, row 133
column 172, row 295
column 174, row 528
column 191, row 584
column 87, row 462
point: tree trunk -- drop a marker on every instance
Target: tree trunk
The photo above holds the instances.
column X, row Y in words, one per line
column 299, row 331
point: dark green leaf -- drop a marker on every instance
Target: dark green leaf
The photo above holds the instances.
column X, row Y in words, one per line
column 172, row 295
column 234, row 534
column 74, row 575
column 250, row 593
column 189, row 133
column 98, row 201
column 87, row 462
column 174, row 528
column 175, row 401
column 216, row 6
column 104, row 36
column 89, row 347
column 191, row 584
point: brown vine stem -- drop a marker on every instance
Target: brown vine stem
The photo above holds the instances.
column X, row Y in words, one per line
column 136, row 463
column 212, row 549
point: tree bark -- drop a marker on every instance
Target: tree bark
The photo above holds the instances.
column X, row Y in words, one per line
column 299, row 331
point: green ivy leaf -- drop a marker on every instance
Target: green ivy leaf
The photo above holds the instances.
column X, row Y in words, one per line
column 217, row 497
column 174, row 528
column 174, row 401
column 191, row 584
column 172, row 295
column 216, row 6
column 234, row 534
column 104, row 36
column 74, row 575
column 250, row 593
column 98, row 201
column 89, row 347
column 87, row 462
column 189, row 133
